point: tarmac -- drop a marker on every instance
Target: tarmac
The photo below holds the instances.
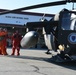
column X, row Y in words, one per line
column 34, row 62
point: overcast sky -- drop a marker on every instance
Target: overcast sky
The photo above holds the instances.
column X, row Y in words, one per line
column 14, row 4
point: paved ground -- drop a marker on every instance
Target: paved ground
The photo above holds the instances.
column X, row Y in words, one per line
column 34, row 62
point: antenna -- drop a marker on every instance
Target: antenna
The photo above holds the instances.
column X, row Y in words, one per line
column 73, row 6
column 43, row 18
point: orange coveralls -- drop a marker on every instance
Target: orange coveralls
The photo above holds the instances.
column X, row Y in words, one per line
column 16, row 38
column 3, row 42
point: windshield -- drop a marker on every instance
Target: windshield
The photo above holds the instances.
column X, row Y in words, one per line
column 68, row 21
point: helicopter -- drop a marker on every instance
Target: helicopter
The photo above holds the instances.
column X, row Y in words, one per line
column 59, row 32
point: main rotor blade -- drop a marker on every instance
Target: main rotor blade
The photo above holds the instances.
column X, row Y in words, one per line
column 70, row 0
column 42, row 5
column 36, row 6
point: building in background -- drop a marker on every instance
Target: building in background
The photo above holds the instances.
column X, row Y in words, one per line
column 15, row 21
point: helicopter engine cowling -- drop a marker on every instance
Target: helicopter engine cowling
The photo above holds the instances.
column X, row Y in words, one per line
column 30, row 39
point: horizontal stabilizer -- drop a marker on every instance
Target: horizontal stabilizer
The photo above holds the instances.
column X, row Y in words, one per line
column 40, row 24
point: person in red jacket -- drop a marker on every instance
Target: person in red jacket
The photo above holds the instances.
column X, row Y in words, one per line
column 3, row 41
column 16, row 38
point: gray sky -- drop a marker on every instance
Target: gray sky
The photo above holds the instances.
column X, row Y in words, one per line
column 14, row 4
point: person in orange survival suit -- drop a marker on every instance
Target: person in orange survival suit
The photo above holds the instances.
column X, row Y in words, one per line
column 16, row 38
column 3, row 41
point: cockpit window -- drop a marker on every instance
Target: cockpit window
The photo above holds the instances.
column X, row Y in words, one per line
column 73, row 24
column 68, row 21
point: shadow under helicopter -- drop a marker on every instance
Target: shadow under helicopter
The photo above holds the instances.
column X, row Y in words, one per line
column 69, row 64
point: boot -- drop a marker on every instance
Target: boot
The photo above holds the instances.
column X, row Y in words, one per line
column 13, row 51
column 4, row 51
column 18, row 50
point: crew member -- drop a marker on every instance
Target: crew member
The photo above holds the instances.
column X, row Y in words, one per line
column 16, row 38
column 3, row 41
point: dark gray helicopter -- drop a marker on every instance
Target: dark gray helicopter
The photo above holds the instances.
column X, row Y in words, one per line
column 59, row 32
